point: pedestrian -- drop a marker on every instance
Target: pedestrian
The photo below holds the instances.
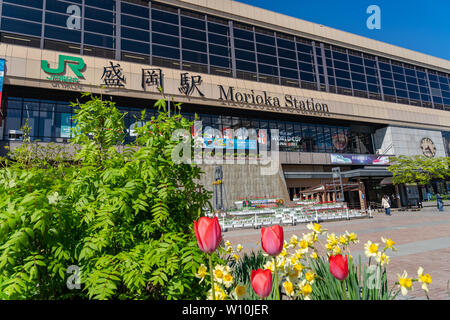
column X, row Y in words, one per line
column 440, row 203
column 386, row 205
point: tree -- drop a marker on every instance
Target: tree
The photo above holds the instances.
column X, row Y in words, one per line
column 419, row 169
column 123, row 217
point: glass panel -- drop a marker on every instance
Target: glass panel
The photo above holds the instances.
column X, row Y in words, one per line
column 195, row 57
column 135, row 34
column 164, row 16
column 218, row 28
column 134, row 9
column 28, row 3
column 192, row 23
column 22, row 13
column 135, row 46
column 24, row 27
column 134, row 22
column 165, row 28
column 98, row 27
column 166, row 52
column 62, row 34
column 107, row 16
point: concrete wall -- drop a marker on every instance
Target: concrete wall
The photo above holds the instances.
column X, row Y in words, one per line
column 246, row 181
column 406, row 141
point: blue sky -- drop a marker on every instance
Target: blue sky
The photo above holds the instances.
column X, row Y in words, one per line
column 422, row 26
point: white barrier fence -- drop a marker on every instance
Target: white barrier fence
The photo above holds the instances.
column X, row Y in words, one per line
column 287, row 216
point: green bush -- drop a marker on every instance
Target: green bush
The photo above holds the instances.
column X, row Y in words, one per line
column 123, row 217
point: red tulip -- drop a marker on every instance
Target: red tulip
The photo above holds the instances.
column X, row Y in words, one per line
column 272, row 240
column 208, row 234
column 338, row 266
column 261, row 282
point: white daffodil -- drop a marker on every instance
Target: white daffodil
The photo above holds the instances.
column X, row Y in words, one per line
column 405, row 283
column 425, row 279
column 371, row 249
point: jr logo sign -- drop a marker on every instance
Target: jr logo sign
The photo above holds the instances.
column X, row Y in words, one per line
column 58, row 74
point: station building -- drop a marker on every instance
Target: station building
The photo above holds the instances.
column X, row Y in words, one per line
column 338, row 100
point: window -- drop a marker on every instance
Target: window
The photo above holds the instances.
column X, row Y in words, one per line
column 245, row 55
column 193, row 34
column 135, row 34
column 22, row 13
column 241, row 44
column 27, row 3
column 192, row 23
column 194, row 45
column 134, row 10
column 166, row 52
column 109, row 5
column 99, row 40
column 219, row 50
column 220, row 61
column 271, row 70
column 164, row 16
column 106, row 16
column 17, row 26
column 194, row 57
column 134, row 46
column 165, row 40
column 246, row 66
column 99, row 27
column 134, row 22
column 63, row 34
column 218, row 28
column 243, row 34
column 287, row 54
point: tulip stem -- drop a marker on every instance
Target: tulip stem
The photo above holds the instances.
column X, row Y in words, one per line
column 343, row 289
column 212, row 277
column 277, row 287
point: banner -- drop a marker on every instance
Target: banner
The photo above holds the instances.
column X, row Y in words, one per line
column 2, row 72
column 361, row 159
column 65, row 125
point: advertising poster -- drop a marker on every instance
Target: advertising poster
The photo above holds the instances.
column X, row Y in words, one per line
column 65, row 125
column 2, row 72
column 359, row 159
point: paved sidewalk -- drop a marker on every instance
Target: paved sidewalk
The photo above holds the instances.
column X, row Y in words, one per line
column 422, row 239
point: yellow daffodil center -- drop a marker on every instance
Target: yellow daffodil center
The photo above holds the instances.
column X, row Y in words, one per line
column 309, row 276
column 227, row 277
column 373, row 248
column 303, row 244
column 343, row 240
column 405, row 282
column 218, row 273
column 306, row 289
column 240, row 290
column 317, row 227
column 426, row 279
column 289, row 287
column 298, row 267
column 202, row 272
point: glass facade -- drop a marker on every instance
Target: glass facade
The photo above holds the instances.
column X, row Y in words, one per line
column 52, row 120
column 157, row 34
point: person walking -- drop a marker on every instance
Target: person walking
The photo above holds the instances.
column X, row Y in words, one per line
column 440, row 203
column 386, row 205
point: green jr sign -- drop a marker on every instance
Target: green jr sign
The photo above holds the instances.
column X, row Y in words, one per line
column 75, row 64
